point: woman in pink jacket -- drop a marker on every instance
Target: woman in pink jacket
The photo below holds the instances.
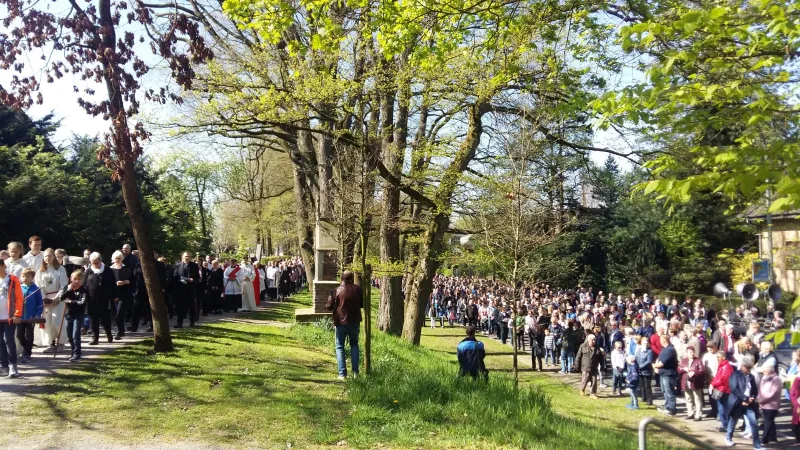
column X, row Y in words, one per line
column 769, row 398
column 794, row 396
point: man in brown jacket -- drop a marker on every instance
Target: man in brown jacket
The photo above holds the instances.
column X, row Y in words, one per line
column 589, row 359
column 346, row 303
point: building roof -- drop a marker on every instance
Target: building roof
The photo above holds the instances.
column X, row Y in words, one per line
column 759, row 212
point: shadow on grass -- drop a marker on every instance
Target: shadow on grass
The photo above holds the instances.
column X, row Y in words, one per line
column 226, row 369
column 283, row 311
column 414, row 393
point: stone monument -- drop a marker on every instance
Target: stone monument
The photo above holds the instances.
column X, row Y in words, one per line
column 326, row 270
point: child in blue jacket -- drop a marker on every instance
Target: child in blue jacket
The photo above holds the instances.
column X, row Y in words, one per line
column 32, row 307
column 632, row 380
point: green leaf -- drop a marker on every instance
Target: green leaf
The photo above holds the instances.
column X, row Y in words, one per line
column 651, row 186
column 717, row 12
column 780, row 336
column 796, row 304
column 316, row 42
column 780, row 204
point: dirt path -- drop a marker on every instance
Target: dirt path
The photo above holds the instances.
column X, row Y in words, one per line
column 705, row 430
column 15, row 391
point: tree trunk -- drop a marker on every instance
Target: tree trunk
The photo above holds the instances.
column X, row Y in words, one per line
column 125, row 157
column 304, row 171
column 162, row 340
column 268, row 250
column 325, row 165
column 201, row 208
column 421, row 284
column 305, row 224
column 390, row 311
column 421, row 279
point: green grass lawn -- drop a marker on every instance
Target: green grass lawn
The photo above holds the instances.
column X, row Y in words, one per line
column 607, row 412
column 252, row 385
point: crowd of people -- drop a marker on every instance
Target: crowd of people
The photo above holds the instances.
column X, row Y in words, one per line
column 719, row 361
column 48, row 298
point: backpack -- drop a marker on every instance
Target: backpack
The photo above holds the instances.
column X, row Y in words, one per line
column 564, row 341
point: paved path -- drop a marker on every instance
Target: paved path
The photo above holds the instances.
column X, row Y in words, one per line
column 14, row 391
column 704, row 430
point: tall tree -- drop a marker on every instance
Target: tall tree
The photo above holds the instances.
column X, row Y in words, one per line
column 251, row 177
column 92, row 41
column 718, row 98
column 199, row 179
column 607, row 183
column 514, row 222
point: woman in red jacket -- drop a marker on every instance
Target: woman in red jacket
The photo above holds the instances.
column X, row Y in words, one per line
column 720, row 383
column 11, row 302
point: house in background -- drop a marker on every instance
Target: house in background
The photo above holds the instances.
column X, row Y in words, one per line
column 785, row 242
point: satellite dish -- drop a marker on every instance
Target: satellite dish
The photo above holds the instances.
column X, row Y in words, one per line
column 720, row 290
column 774, row 292
column 749, row 292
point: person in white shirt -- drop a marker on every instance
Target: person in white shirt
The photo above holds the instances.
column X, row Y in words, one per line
column 34, row 257
column 248, row 293
column 262, row 281
column 530, row 325
column 51, row 277
column 15, row 263
column 618, row 368
column 272, row 273
column 233, row 278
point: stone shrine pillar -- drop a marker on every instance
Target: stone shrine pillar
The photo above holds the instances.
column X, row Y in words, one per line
column 326, row 264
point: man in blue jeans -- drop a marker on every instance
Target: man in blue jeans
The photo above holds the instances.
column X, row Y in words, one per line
column 667, row 365
column 74, row 296
column 741, row 402
column 346, row 303
column 11, row 301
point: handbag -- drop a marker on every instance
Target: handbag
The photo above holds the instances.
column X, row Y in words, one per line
column 716, row 394
column 537, row 349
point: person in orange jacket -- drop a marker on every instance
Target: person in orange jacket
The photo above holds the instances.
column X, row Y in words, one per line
column 10, row 313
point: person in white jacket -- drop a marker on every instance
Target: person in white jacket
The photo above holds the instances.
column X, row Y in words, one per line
column 618, row 368
column 248, row 293
column 262, row 281
column 51, row 277
column 15, row 262
column 35, row 257
column 233, row 278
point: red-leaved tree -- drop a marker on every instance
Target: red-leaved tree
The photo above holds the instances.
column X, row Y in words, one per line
column 96, row 40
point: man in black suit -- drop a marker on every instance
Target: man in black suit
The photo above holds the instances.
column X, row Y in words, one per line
column 215, row 288
column 100, row 294
column 141, row 310
column 128, row 257
column 186, row 277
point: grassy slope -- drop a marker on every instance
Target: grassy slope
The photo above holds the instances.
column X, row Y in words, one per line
column 249, row 385
column 605, row 412
column 227, row 383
